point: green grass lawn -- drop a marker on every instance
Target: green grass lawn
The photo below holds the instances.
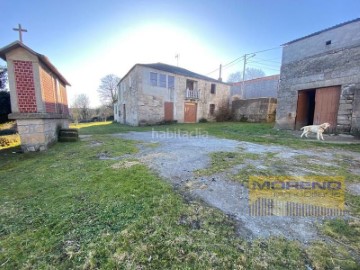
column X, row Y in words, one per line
column 67, row 209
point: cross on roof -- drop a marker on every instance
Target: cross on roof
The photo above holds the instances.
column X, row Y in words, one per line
column 20, row 30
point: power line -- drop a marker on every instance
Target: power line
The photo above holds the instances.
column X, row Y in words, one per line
column 233, row 62
column 265, row 64
column 268, row 60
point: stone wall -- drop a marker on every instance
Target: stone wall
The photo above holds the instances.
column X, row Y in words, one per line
column 128, row 96
column 254, row 110
column 341, row 37
column 355, row 119
column 340, row 67
column 36, row 133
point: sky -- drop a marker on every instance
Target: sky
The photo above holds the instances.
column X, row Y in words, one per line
column 86, row 40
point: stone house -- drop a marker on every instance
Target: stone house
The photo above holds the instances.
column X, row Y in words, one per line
column 38, row 96
column 320, row 80
column 152, row 93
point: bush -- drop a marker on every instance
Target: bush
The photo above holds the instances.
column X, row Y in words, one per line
column 223, row 113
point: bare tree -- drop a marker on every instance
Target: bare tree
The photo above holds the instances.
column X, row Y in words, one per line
column 3, row 78
column 80, row 108
column 250, row 73
column 108, row 89
column 235, row 77
column 253, row 73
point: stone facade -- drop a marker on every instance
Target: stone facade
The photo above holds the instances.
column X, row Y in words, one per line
column 254, row 110
column 38, row 96
column 324, row 59
column 144, row 100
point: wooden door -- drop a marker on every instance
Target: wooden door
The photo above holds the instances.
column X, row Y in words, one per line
column 169, row 111
column 190, row 113
column 302, row 110
column 327, row 106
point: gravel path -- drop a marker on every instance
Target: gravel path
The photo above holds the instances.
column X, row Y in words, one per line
column 176, row 157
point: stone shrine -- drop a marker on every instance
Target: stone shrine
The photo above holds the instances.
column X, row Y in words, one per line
column 38, row 96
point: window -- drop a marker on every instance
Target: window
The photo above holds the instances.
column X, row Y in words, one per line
column 213, row 88
column 153, row 79
column 212, row 109
column 171, row 82
column 162, row 80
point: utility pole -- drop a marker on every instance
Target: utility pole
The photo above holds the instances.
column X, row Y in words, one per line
column 220, row 70
column 246, row 57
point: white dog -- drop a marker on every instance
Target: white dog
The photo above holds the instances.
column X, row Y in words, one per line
column 318, row 129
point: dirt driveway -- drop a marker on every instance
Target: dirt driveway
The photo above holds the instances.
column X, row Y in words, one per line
column 179, row 158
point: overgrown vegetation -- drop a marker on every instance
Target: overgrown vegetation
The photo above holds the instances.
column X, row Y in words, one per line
column 71, row 208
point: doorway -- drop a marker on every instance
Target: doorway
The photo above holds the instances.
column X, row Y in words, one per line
column 169, row 111
column 305, row 108
column 190, row 112
column 317, row 106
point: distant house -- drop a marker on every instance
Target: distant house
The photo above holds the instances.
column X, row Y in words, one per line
column 320, row 79
column 152, row 93
column 256, row 88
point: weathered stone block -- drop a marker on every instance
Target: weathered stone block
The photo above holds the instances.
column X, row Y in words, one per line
column 345, row 107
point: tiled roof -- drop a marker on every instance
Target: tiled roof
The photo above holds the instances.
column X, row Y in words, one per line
column 319, row 32
column 176, row 70
column 42, row 58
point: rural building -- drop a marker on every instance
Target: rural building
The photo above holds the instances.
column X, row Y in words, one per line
column 256, row 88
column 320, row 80
column 152, row 93
column 38, row 96
column 255, row 100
